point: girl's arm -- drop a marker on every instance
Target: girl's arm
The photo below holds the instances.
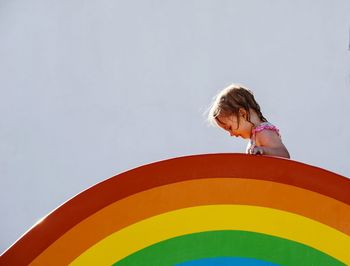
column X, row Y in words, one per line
column 271, row 144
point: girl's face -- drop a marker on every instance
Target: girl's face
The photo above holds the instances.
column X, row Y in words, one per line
column 230, row 124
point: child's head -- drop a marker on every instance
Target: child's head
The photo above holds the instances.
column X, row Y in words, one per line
column 233, row 109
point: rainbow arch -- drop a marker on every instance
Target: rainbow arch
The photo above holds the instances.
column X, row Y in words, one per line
column 214, row 209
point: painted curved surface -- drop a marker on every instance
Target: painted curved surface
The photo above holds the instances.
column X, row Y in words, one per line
column 216, row 217
column 225, row 261
column 142, row 211
column 218, row 244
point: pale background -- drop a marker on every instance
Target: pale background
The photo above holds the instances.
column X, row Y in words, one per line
column 90, row 89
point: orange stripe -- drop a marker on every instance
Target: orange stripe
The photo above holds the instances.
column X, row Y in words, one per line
column 194, row 193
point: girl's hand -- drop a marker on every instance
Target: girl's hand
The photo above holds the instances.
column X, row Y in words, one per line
column 256, row 150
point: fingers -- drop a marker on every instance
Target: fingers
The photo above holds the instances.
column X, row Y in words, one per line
column 256, row 151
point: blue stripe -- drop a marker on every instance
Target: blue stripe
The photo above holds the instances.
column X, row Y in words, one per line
column 226, row 261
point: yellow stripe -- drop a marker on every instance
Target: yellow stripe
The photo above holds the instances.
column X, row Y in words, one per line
column 217, row 217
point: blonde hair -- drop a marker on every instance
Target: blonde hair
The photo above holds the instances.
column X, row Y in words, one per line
column 230, row 100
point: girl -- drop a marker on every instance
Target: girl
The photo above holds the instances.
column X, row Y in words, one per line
column 236, row 111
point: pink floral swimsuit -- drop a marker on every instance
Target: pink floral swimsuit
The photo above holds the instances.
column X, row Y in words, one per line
column 261, row 127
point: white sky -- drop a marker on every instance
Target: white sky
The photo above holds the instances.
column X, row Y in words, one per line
column 90, row 89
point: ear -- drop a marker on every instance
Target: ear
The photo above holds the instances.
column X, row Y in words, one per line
column 243, row 112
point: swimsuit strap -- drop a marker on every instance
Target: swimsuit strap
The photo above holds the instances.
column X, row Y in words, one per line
column 263, row 126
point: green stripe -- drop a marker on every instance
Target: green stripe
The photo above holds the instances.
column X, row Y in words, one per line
column 228, row 244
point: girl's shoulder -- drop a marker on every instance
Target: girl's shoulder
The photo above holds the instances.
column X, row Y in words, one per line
column 265, row 126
